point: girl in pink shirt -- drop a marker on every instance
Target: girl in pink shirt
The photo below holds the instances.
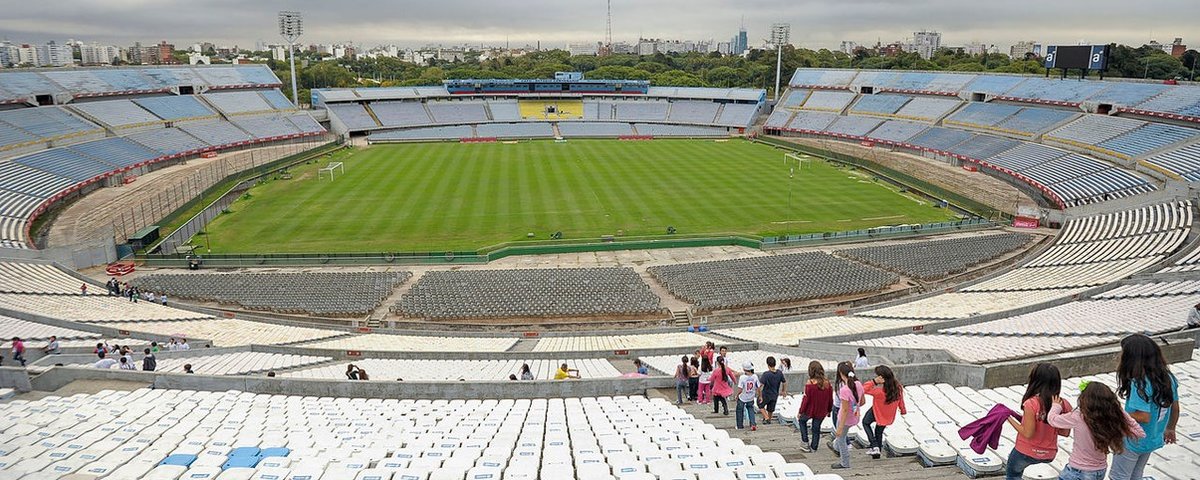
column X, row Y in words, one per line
column 1101, row 426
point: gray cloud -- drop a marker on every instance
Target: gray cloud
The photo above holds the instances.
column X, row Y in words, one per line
column 815, row 23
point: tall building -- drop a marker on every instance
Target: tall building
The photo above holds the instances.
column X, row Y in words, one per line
column 54, row 55
column 9, row 54
column 849, row 47
column 1178, row 48
column 740, row 42
column 584, row 48
column 278, row 52
column 166, row 53
column 1025, row 48
column 925, row 43
column 27, row 55
column 96, row 54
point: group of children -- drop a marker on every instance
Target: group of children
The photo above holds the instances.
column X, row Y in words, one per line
column 1098, row 423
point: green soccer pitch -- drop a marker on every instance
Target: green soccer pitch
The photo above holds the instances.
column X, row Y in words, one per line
column 441, row 197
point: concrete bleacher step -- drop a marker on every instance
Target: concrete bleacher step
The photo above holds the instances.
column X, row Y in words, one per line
column 367, row 107
column 681, row 318
column 7, row 393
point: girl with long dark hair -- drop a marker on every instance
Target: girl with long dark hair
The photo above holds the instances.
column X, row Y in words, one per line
column 705, row 391
column 1151, row 396
column 722, row 380
column 1037, row 441
column 814, row 406
column 1100, row 426
column 850, row 396
column 888, row 396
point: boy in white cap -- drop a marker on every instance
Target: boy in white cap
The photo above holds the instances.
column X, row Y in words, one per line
column 747, row 396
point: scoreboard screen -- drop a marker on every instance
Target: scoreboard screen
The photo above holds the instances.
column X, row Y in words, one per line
column 1090, row 57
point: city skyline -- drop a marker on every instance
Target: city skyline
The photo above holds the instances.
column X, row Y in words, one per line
column 816, row 24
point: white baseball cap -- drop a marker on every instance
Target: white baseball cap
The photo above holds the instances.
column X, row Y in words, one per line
column 748, row 366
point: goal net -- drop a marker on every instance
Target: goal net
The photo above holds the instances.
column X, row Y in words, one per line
column 330, row 169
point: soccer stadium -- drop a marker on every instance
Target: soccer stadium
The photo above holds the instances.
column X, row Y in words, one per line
column 496, row 278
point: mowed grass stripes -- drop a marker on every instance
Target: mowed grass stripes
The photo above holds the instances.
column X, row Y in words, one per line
column 441, row 197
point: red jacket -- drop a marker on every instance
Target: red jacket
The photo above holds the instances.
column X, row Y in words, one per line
column 885, row 413
column 817, row 402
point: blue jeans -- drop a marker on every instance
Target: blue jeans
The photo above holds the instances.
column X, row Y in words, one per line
column 680, row 390
column 745, row 409
column 801, row 423
column 1017, row 463
column 1128, row 465
column 842, row 443
column 1072, row 473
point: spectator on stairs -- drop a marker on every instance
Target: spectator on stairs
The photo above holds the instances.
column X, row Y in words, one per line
column 1037, row 441
column 526, row 373
column 52, row 347
column 1151, row 394
column 149, row 361
column 704, row 393
column 722, row 381
column 815, row 405
column 888, row 397
column 1100, row 427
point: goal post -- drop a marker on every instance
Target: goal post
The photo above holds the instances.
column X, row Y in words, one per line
column 795, row 162
column 330, row 169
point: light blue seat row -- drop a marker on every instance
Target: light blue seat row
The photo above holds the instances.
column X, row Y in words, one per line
column 880, row 104
column 1034, row 120
column 175, row 107
column 938, row 138
column 116, row 151
column 515, row 130
column 66, row 163
column 428, row 133
column 398, row 114
column 1183, row 161
column 898, row 130
column 216, row 133
column 661, row 130
column 168, row 141
column 457, row 112
column 854, row 125
column 353, row 115
column 984, row 146
column 1147, row 138
column 983, row 114
column 594, row 129
column 737, row 114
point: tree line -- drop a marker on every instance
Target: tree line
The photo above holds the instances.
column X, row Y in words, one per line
column 755, row 70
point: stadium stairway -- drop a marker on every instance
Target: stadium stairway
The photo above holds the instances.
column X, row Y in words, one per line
column 367, row 107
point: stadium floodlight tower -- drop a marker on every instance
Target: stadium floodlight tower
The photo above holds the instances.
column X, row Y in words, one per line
column 780, row 35
column 291, row 26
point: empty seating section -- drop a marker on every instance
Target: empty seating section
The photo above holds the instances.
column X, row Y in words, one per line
column 276, row 99
column 185, row 107
column 1068, row 276
column 1127, row 223
column 1055, row 90
column 664, row 130
column 353, row 115
column 305, row 124
column 793, row 98
column 457, row 112
column 938, row 138
column 168, row 141
column 31, row 331
column 559, row 292
column 983, row 350
column 12, row 232
column 18, row 206
column 239, row 435
column 43, row 124
column 933, row 259
column 459, row 370
column 822, row 78
column 216, row 133
column 416, row 343
column 21, row 179
column 504, row 110
column 515, row 130
column 790, row 332
column 66, row 163
column 265, row 127
column 390, row 114
column 879, row 104
column 87, row 81
column 27, row 277
column 984, row 146
column 228, row 332
column 689, row 111
column 1031, row 121
column 232, row 363
column 737, row 114
column 993, row 84
column 1026, row 156
column 595, row 343
column 927, row 108
column 426, row 133
column 1128, row 93
column 968, row 304
column 24, row 86
column 898, row 131
column 235, row 103
column 811, row 121
column 1107, row 317
column 1090, row 130
column 1122, row 248
column 639, row 111
column 778, row 118
column 1152, row 289
column 594, row 129
column 316, row 293
column 1148, row 138
column 117, row 151
column 853, row 125
column 1180, row 100
column 829, row 101
column 93, row 308
column 125, row 81
column 980, row 114
column 1184, row 162
column 766, row 280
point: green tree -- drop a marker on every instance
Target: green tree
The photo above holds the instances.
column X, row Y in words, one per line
column 677, row 78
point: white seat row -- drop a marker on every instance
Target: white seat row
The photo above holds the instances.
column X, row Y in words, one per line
column 1155, row 289
column 1122, row 248
column 228, row 332
column 968, row 304
column 788, row 333
column 93, row 308
column 1069, row 276
column 235, row 363
column 1092, row 317
column 989, row 349
column 459, row 370
column 188, row 434
column 619, row 342
column 1163, row 216
column 416, row 343
column 25, row 277
column 12, row 327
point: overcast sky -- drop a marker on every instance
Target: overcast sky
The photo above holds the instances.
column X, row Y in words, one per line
column 815, row 23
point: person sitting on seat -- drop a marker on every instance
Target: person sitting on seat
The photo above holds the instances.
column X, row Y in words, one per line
column 565, row 373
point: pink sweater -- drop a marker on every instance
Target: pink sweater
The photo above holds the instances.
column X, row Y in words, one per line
column 1084, row 454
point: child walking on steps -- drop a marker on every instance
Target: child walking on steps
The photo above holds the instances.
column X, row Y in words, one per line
column 706, row 371
column 722, row 380
column 850, row 397
column 814, row 406
column 888, row 396
column 1100, row 427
